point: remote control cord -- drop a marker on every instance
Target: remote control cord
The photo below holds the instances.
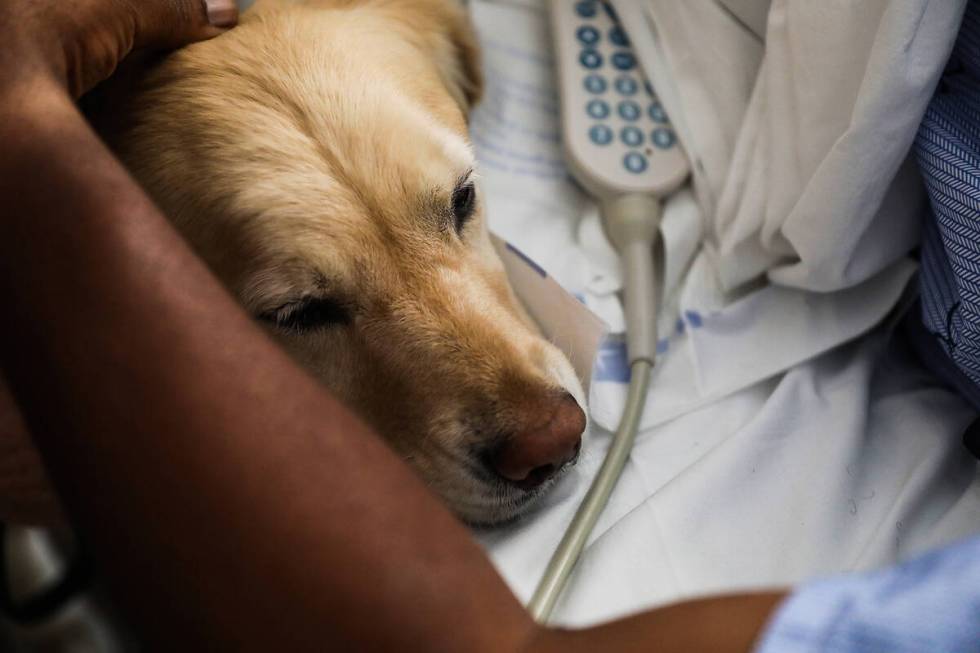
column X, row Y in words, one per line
column 632, row 223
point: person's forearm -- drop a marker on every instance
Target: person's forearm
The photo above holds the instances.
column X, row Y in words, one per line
column 230, row 499
column 723, row 624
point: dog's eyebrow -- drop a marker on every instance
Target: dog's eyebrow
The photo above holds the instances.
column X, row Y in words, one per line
column 463, row 179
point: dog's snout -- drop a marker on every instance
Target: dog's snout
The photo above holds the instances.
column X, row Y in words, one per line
column 531, row 457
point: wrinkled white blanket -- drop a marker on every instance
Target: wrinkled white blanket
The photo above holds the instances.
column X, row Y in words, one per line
column 788, row 431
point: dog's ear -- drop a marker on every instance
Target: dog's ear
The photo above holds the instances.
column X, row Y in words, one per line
column 464, row 73
column 451, row 41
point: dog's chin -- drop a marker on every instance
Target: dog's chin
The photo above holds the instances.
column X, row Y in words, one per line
column 501, row 504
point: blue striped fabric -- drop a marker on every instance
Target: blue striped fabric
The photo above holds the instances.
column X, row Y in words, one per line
column 948, row 151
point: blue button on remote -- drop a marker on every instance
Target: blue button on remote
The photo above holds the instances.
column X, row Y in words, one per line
column 618, row 36
column 657, row 113
column 601, row 135
column 626, row 85
column 595, row 84
column 587, row 35
column 590, row 59
column 597, row 109
column 663, row 138
column 586, row 9
column 624, row 61
column 632, row 136
column 635, row 162
column 628, row 110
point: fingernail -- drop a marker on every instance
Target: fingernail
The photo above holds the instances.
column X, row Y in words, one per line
column 222, row 13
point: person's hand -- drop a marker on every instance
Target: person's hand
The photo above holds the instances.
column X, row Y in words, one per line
column 79, row 44
column 26, row 494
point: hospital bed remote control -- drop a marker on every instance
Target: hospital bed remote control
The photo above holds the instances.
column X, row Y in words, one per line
column 621, row 147
column 617, row 137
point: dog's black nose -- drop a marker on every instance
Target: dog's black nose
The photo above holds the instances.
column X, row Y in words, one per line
column 529, row 458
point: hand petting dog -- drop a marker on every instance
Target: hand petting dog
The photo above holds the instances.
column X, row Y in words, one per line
column 79, row 44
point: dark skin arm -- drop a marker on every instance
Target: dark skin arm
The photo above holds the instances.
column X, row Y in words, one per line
column 232, row 501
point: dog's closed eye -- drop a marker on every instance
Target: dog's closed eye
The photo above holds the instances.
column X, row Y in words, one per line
column 308, row 313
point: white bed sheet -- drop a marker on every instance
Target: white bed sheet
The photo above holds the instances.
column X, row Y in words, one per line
column 789, row 433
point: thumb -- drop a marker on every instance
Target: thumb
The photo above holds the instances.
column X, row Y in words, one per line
column 165, row 24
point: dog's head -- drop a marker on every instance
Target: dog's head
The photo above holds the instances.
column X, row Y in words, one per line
column 317, row 158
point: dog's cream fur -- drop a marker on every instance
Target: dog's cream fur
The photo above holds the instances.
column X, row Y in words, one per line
column 313, row 151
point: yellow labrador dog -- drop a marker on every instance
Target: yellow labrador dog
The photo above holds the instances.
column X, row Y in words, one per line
column 317, row 158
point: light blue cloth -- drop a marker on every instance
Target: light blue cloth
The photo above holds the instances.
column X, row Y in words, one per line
column 928, row 605
column 931, row 604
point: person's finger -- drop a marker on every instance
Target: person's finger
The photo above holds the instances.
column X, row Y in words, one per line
column 173, row 23
column 26, row 494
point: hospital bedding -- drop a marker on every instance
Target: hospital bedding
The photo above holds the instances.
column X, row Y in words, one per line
column 789, row 431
